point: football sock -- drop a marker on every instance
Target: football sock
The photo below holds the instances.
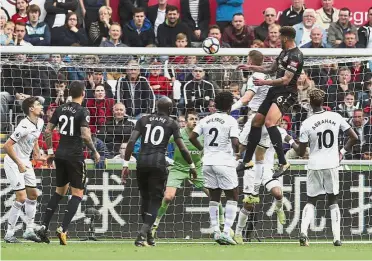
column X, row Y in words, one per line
column 51, row 208
column 279, row 204
column 161, row 212
column 150, row 215
column 213, row 214
column 336, row 221
column 254, row 138
column 307, row 217
column 72, row 207
column 242, row 221
column 230, row 214
column 276, row 140
column 221, row 214
column 14, row 213
column 30, row 210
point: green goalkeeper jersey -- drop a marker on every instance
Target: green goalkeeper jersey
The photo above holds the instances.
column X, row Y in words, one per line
column 196, row 155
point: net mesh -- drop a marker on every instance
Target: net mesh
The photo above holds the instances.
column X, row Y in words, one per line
column 110, row 210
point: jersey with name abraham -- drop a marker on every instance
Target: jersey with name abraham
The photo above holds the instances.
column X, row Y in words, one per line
column 321, row 131
column 69, row 118
column 218, row 129
column 155, row 130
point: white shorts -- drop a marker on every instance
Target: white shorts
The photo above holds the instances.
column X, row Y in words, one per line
column 323, row 181
column 17, row 180
column 253, row 179
column 243, row 137
column 223, row 177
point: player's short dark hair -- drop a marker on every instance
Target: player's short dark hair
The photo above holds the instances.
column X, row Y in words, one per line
column 190, row 112
column 171, row 8
column 256, row 57
column 28, row 103
column 345, row 9
column 77, row 89
column 288, row 31
column 223, row 101
column 316, row 97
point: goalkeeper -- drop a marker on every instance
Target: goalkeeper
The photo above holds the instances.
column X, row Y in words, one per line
column 179, row 172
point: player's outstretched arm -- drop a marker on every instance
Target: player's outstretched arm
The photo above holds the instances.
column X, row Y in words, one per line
column 194, row 140
column 285, row 80
column 9, row 150
column 247, row 97
column 87, row 138
column 267, row 69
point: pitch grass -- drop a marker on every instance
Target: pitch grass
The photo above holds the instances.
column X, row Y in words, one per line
column 127, row 251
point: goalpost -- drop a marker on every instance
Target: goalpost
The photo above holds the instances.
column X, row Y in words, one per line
column 110, row 210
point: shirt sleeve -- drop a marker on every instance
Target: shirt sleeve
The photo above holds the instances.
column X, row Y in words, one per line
column 344, row 125
column 234, row 130
column 304, row 138
column 54, row 119
column 250, row 85
column 176, row 131
column 293, row 63
column 138, row 125
column 20, row 131
column 85, row 119
column 199, row 128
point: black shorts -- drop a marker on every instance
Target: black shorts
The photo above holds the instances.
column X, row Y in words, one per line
column 151, row 182
column 73, row 172
column 281, row 96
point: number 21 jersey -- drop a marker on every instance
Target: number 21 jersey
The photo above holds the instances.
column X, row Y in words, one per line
column 321, row 131
column 69, row 118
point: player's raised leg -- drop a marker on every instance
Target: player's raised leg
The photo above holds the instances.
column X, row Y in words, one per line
column 169, row 194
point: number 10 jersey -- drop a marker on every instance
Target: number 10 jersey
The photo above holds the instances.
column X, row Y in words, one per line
column 69, row 118
column 321, row 131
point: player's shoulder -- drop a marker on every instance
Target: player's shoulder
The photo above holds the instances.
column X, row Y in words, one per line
column 25, row 123
column 40, row 123
column 258, row 75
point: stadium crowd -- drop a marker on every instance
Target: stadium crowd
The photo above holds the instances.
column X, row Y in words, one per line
column 122, row 88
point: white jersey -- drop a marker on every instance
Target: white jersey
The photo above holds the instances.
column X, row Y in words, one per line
column 25, row 135
column 321, row 131
column 260, row 91
column 218, row 129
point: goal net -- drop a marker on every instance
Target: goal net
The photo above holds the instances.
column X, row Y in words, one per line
column 137, row 77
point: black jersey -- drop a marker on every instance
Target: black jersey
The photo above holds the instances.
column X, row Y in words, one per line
column 156, row 131
column 70, row 117
column 290, row 60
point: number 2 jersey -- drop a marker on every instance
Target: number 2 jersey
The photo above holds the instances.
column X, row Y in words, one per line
column 69, row 118
column 155, row 131
column 321, row 131
column 218, row 129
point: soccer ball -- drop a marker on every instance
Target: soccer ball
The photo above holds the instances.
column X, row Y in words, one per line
column 211, row 45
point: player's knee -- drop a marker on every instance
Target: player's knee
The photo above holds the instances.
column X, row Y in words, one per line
column 260, row 153
column 21, row 196
column 258, row 120
column 269, row 122
column 168, row 197
column 77, row 192
column 232, row 194
column 312, row 200
column 62, row 190
column 32, row 194
column 248, row 206
column 332, row 199
column 277, row 193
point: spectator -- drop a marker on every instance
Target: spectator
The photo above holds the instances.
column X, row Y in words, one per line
column 337, row 30
column 365, row 32
column 347, row 107
column 20, row 33
column 214, row 31
column 135, row 92
column 55, row 133
column 114, row 39
column 367, row 152
column 172, row 26
column 59, row 93
column 327, row 14
column 316, row 36
column 95, row 78
column 261, row 31
column 181, row 42
column 324, row 75
column 196, row 14
column 3, row 20
column 70, row 34
column 198, row 92
column 156, row 14
column 303, row 29
column 159, row 83
column 57, row 11
column 363, row 129
column 359, row 75
column 100, row 108
column 257, row 44
column 238, row 34
column 292, row 15
column 121, row 154
column 116, row 131
column 273, row 40
column 367, row 100
column 337, row 91
column 6, row 38
column 101, row 149
column 91, row 11
column 127, row 7
column 350, row 41
column 138, row 32
column 225, row 11
column 38, row 33
column 181, row 121
column 21, row 12
column 99, row 30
